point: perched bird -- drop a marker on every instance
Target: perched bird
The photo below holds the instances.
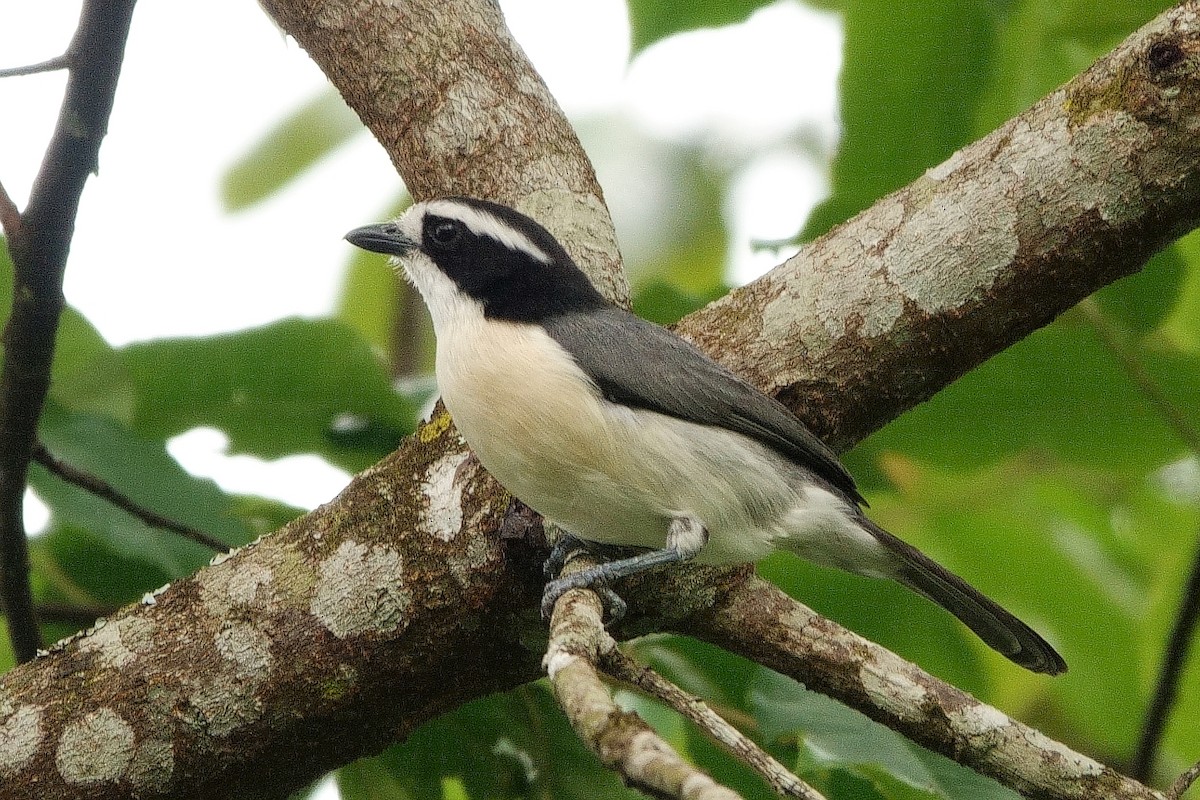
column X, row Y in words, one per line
column 626, row 435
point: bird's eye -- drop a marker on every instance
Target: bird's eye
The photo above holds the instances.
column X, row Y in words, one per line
column 444, row 233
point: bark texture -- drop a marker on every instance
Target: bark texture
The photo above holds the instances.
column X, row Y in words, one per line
column 413, row 591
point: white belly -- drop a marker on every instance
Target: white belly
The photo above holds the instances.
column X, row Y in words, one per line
column 614, row 475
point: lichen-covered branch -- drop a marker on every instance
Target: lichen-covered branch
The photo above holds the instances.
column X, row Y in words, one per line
column 620, row 739
column 1010, row 231
column 321, row 643
column 454, row 101
column 757, row 620
column 344, row 630
column 616, row 663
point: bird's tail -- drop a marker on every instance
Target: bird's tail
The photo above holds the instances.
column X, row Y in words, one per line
column 999, row 629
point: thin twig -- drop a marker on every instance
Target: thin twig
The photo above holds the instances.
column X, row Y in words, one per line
column 49, row 65
column 1184, row 782
column 106, row 491
column 39, row 256
column 620, row 739
column 1166, row 687
column 619, row 665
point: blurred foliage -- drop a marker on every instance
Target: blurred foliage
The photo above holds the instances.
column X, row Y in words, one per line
column 1045, row 477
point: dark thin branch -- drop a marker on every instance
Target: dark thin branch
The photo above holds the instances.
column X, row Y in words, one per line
column 49, row 65
column 39, row 255
column 1166, row 687
column 106, row 491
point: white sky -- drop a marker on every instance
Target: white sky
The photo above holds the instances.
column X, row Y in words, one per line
column 154, row 255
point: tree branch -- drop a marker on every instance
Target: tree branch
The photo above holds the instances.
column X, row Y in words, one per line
column 49, row 65
column 106, row 491
column 39, row 244
column 616, row 663
column 358, row 622
column 620, row 739
column 757, row 620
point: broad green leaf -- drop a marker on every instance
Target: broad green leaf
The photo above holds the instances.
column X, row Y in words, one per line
column 287, row 150
column 143, row 471
column 1143, row 300
column 650, row 20
column 295, row 386
column 665, row 303
column 911, row 82
column 1060, row 391
column 74, row 565
column 512, row 745
column 833, row 737
column 1182, row 326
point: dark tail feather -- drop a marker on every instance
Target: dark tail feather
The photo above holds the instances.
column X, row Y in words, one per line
column 999, row 629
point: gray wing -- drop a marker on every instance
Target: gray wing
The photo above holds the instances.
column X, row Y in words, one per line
column 641, row 364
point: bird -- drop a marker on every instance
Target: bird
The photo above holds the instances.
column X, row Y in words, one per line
column 630, row 438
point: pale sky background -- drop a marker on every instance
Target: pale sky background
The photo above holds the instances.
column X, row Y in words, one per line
column 154, row 254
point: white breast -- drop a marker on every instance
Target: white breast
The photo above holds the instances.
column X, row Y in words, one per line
column 616, row 475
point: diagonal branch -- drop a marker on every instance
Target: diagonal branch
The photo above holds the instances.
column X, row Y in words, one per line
column 759, row 621
column 106, row 491
column 39, row 254
column 620, row 666
column 620, row 739
column 352, row 625
column 49, row 65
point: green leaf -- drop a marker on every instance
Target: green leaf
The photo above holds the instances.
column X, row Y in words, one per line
column 652, row 20
column 511, row 745
column 295, row 386
column 835, row 738
column 1143, row 300
column 912, row 79
column 665, row 303
column 1060, row 391
column 1182, row 325
column 1043, row 44
column 143, row 471
column 287, row 150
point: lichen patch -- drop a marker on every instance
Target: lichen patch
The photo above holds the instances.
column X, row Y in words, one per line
column 95, row 747
column 443, row 516
column 247, row 648
column 118, row 643
column 20, row 737
column 360, row 589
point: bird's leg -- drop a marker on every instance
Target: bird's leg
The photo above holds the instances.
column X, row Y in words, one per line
column 686, row 537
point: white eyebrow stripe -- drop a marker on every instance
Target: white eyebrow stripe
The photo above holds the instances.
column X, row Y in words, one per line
column 482, row 223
